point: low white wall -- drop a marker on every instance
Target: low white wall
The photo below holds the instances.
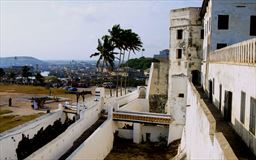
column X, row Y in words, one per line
column 201, row 140
column 127, row 98
column 125, row 133
column 98, row 145
column 57, row 147
column 155, row 132
column 138, row 105
column 10, row 139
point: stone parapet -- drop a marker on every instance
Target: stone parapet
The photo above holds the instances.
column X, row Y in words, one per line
column 243, row 53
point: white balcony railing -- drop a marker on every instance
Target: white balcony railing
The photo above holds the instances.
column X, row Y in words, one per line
column 241, row 53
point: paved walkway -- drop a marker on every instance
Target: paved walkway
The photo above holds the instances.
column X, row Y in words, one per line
column 239, row 147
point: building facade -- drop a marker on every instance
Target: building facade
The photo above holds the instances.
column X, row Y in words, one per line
column 226, row 23
column 185, row 57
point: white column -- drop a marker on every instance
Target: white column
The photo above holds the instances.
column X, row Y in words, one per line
column 137, row 137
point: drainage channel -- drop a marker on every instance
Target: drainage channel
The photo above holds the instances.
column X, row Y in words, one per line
column 82, row 138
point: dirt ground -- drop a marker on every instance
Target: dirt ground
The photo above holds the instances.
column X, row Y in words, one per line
column 127, row 150
column 21, row 111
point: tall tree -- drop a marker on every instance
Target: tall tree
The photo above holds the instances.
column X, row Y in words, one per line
column 39, row 78
column 106, row 54
column 25, row 72
column 2, row 73
column 117, row 39
column 132, row 44
column 124, row 40
column 11, row 76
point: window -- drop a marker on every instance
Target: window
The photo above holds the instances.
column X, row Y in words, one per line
column 179, row 34
column 202, row 34
column 223, row 21
column 253, row 26
column 242, row 111
column 221, row 45
column 181, row 95
column 252, row 116
column 179, row 54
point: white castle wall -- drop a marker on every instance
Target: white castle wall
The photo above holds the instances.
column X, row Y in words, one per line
column 155, row 132
column 10, row 139
column 99, row 144
column 138, row 105
column 200, row 140
column 125, row 133
column 57, row 147
column 235, row 78
column 127, row 98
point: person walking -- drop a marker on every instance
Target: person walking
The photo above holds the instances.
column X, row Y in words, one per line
column 10, row 102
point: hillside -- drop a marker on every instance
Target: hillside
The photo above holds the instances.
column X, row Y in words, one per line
column 140, row 63
column 20, row 61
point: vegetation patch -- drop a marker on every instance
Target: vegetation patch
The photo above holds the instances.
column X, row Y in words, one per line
column 4, row 111
column 10, row 121
column 140, row 63
column 30, row 89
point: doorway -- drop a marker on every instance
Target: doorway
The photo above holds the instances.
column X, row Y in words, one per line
column 148, row 137
column 210, row 90
column 196, row 77
column 228, row 106
column 220, row 97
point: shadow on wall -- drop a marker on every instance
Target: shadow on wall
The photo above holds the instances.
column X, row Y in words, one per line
column 27, row 146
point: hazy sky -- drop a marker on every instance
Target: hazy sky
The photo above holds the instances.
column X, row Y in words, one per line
column 70, row 29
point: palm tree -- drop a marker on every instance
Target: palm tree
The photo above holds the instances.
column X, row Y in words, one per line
column 124, row 40
column 117, row 38
column 106, row 54
column 11, row 76
column 133, row 43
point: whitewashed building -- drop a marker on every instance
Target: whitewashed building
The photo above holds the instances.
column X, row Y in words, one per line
column 226, row 22
column 184, row 62
column 186, row 37
column 223, row 58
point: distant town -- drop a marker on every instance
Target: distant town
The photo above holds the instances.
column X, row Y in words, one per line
column 60, row 73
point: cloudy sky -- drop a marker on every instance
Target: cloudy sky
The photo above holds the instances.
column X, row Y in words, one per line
column 69, row 29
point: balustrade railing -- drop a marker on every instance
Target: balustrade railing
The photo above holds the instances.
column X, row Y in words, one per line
column 240, row 53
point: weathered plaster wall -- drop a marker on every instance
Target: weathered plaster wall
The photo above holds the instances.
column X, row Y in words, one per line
column 125, row 133
column 158, row 86
column 187, row 20
column 178, row 98
column 10, row 139
column 157, row 103
column 57, row 147
column 155, row 132
column 159, row 80
column 235, row 78
column 200, row 140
